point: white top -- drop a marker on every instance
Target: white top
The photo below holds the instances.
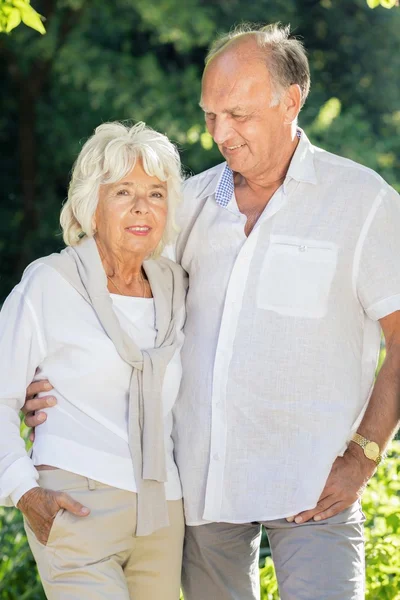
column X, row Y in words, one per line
column 47, row 327
column 281, row 338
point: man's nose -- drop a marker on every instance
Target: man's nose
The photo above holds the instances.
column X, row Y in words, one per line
column 221, row 130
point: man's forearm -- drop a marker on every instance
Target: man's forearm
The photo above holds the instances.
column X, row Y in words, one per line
column 382, row 417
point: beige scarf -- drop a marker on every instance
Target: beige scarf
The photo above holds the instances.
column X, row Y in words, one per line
column 81, row 266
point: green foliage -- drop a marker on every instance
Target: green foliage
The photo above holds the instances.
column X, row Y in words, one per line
column 142, row 60
column 268, row 582
column 12, row 12
column 384, row 3
column 18, row 576
column 381, row 505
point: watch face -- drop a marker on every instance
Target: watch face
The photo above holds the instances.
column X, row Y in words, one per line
column 372, row 450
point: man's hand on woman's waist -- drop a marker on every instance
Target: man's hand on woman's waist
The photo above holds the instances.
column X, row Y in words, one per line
column 33, row 404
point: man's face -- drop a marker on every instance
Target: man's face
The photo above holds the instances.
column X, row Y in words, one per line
column 236, row 99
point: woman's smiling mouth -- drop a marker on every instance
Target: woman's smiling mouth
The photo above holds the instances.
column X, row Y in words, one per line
column 139, row 229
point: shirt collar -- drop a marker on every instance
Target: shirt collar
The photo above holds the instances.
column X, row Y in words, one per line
column 301, row 169
column 225, row 188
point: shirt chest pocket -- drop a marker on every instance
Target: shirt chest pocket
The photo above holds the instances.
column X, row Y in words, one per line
column 296, row 276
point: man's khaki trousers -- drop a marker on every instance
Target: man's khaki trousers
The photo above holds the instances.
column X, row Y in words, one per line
column 99, row 556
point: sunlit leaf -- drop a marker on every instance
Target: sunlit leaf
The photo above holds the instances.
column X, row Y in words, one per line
column 388, row 3
column 14, row 19
column 30, row 17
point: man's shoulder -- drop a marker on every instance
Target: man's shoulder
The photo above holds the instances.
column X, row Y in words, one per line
column 330, row 166
column 196, row 190
column 204, row 183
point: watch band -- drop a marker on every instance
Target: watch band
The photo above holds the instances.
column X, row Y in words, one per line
column 371, row 449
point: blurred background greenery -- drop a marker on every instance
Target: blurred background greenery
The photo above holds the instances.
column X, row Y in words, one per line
column 142, row 60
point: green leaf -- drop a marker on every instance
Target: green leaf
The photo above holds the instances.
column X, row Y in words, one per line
column 32, row 19
column 14, row 19
column 388, row 3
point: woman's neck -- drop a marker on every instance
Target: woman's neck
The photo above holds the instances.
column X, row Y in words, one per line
column 125, row 275
column 123, row 266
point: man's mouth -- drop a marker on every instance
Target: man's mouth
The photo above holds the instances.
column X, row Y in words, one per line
column 232, row 149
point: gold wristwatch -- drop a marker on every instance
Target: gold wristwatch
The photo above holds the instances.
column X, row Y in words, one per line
column 371, row 449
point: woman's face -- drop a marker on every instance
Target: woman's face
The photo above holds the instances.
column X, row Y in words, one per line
column 131, row 214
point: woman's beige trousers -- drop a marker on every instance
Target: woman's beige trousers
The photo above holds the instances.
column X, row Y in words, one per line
column 99, row 556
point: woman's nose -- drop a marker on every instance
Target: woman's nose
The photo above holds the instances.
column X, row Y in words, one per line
column 140, row 205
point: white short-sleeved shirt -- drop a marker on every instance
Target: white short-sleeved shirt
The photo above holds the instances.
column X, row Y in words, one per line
column 49, row 331
column 282, row 337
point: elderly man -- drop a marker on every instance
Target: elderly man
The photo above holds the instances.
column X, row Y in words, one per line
column 293, row 258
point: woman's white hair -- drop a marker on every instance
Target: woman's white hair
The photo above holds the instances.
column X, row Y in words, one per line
column 107, row 156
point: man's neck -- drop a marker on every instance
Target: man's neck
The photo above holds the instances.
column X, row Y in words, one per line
column 265, row 180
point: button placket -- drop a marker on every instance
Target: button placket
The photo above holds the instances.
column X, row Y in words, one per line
column 232, row 307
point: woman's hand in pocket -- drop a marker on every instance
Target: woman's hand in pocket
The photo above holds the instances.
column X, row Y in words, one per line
column 40, row 507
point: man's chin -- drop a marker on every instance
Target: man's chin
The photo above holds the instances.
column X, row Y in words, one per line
column 234, row 163
column 236, row 159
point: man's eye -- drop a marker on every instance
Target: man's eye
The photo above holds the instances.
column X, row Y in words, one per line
column 122, row 193
column 157, row 195
column 239, row 117
column 210, row 116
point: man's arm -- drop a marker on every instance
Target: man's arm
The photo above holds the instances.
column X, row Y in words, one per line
column 32, row 406
column 351, row 472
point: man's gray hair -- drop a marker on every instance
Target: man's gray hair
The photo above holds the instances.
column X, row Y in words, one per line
column 107, row 156
column 285, row 55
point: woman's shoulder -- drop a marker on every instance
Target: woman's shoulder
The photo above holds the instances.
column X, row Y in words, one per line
column 39, row 288
column 38, row 279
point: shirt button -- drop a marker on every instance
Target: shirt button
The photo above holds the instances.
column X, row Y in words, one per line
column 216, row 456
column 302, row 248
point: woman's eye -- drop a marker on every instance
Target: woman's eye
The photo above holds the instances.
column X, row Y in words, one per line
column 157, row 195
column 122, row 193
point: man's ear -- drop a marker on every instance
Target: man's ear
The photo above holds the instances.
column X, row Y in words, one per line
column 292, row 103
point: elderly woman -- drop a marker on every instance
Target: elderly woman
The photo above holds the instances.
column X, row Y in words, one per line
column 102, row 320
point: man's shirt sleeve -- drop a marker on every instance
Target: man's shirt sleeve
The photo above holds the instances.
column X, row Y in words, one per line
column 377, row 257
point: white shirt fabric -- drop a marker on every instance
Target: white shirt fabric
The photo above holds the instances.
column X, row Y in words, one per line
column 281, row 337
column 48, row 331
